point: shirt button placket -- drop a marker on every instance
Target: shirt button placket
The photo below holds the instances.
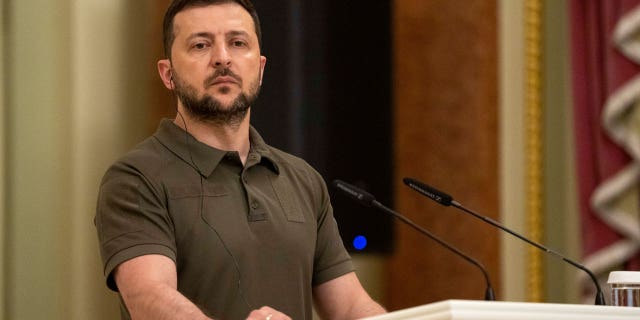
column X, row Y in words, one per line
column 243, row 176
column 252, row 203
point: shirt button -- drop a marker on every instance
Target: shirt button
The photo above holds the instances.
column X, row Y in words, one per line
column 254, row 205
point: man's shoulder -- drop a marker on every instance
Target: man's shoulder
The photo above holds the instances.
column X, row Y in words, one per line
column 286, row 160
column 149, row 152
column 296, row 168
column 146, row 159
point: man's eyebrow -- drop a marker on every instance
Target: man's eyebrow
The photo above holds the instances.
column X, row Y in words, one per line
column 234, row 33
column 201, row 35
column 209, row 35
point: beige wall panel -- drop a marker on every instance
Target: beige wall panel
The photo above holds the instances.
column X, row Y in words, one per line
column 512, row 155
column 110, row 113
column 36, row 260
column 446, row 135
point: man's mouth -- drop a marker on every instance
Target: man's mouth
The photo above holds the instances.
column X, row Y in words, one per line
column 224, row 80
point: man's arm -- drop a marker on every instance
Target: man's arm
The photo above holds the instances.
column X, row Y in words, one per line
column 148, row 285
column 344, row 298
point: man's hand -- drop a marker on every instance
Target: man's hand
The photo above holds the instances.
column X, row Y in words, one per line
column 267, row 313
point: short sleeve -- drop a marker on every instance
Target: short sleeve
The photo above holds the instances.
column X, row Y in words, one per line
column 131, row 219
column 331, row 258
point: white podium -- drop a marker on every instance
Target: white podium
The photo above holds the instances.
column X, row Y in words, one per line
column 499, row 310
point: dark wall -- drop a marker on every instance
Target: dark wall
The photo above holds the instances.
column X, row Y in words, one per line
column 326, row 97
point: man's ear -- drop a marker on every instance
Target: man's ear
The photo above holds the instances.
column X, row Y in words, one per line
column 166, row 73
column 263, row 62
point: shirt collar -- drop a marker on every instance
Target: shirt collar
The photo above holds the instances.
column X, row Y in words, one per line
column 206, row 158
column 262, row 150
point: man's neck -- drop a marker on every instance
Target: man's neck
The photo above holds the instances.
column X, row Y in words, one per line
column 222, row 137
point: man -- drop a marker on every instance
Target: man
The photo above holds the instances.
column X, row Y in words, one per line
column 203, row 219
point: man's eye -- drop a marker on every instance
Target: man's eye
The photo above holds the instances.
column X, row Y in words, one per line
column 200, row 46
column 238, row 43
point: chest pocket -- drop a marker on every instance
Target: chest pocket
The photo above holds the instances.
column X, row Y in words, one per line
column 185, row 201
column 192, row 191
column 285, row 193
column 185, row 207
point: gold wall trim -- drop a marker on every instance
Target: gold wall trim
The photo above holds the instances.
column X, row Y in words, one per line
column 3, row 174
column 534, row 146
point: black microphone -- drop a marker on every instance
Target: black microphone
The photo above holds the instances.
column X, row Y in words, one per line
column 446, row 200
column 368, row 200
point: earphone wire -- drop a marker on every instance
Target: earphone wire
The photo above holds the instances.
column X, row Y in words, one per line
column 200, row 175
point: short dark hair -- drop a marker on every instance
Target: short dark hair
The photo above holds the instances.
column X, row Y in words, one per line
column 179, row 5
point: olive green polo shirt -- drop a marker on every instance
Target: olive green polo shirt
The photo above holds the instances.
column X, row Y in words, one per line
column 241, row 236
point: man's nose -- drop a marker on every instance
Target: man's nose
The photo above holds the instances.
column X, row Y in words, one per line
column 221, row 57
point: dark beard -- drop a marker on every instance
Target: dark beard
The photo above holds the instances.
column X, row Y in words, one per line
column 209, row 109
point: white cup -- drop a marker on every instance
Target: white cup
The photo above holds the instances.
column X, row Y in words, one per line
column 625, row 288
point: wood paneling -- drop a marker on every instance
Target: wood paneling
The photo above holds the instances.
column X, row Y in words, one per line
column 162, row 100
column 445, row 97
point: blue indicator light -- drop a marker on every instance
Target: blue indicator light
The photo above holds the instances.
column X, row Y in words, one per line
column 360, row 242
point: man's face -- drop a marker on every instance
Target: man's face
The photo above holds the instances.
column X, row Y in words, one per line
column 216, row 61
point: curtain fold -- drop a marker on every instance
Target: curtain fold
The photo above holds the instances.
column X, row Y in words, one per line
column 606, row 94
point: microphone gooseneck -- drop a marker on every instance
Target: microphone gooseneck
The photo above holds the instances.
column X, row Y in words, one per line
column 368, row 200
column 446, row 200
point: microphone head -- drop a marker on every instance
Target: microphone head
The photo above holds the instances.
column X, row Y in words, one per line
column 354, row 192
column 431, row 192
